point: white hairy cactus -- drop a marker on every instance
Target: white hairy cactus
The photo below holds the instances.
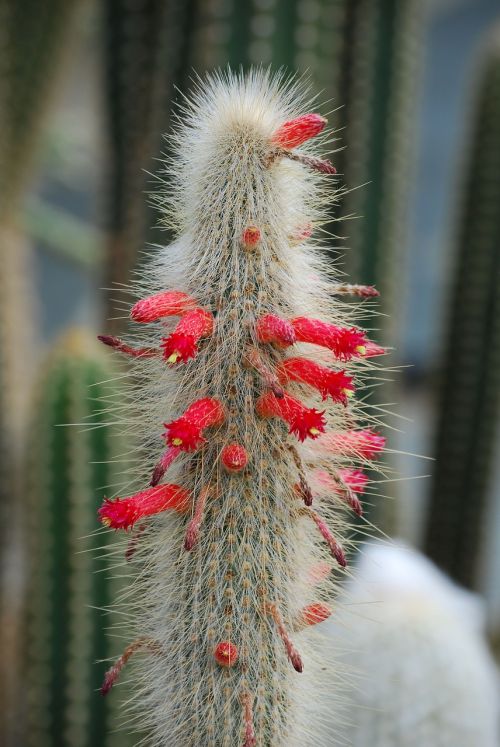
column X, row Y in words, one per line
column 234, row 566
column 422, row 674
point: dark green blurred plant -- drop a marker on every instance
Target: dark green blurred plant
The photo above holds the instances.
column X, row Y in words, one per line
column 470, row 382
column 362, row 54
column 32, row 37
column 74, row 439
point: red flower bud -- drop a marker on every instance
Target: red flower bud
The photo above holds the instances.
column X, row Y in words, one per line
column 234, row 457
column 123, row 513
column 226, row 654
column 187, row 431
column 296, row 131
column 168, row 303
column 334, row 384
column 251, row 236
column 182, row 343
column 344, row 342
column 315, row 613
column 271, row 328
column 304, row 422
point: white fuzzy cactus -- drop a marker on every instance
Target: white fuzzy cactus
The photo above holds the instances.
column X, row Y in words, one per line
column 233, row 564
column 422, row 674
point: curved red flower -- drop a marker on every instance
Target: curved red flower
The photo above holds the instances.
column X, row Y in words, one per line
column 182, row 343
column 186, row 432
column 335, row 384
column 344, row 342
column 122, row 513
column 303, row 421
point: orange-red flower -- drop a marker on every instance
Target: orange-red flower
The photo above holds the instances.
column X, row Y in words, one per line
column 344, row 342
column 187, row 431
column 182, row 343
column 122, row 513
column 303, row 421
column 335, row 384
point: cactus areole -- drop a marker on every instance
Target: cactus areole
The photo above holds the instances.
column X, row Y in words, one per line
column 246, row 363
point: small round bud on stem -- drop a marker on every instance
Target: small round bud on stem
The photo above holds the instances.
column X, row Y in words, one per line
column 234, row 457
column 226, row 654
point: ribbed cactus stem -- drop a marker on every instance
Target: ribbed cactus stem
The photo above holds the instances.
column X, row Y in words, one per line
column 224, row 589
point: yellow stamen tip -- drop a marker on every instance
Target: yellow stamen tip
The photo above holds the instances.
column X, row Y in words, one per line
column 106, row 521
column 314, row 431
column 173, row 358
column 177, row 441
column 361, row 349
column 348, row 392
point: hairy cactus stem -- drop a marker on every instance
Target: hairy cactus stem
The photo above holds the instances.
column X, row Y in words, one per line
column 238, row 400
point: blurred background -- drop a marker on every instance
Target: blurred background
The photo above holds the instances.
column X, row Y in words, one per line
column 86, row 91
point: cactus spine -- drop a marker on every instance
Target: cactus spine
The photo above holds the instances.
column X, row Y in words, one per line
column 235, row 567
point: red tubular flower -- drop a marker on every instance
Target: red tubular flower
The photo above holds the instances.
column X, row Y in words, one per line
column 312, row 614
column 344, row 342
column 296, row 131
column 274, row 329
column 182, row 343
column 226, row 654
column 334, row 384
column 251, row 236
column 187, row 431
column 363, row 444
column 303, row 421
column 122, row 347
column 123, row 513
column 234, row 457
column 168, row 303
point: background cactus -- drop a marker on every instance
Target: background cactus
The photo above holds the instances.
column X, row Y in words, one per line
column 66, row 628
column 234, row 565
column 470, row 380
column 423, row 673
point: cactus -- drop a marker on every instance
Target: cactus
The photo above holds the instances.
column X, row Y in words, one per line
column 68, row 589
column 424, row 673
column 470, row 382
column 242, row 504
